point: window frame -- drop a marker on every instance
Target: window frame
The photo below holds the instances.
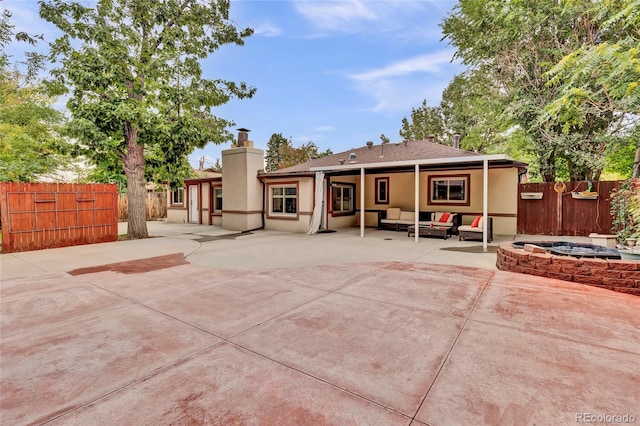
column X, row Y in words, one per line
column 379, row 199
column 214, row 198
column 465, row 178
column 179, row 191
column 335, row 186
column 284, row 185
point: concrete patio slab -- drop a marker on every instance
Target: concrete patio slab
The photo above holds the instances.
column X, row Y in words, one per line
column 56, row 360
column 582, row 314
column 273, row 328
column 499, row 375
column 385, row 353
column 227, row 385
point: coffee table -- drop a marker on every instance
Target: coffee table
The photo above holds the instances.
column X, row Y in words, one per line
column 429, row 231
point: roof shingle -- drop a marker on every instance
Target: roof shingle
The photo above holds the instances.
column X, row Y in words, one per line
column 403, row 151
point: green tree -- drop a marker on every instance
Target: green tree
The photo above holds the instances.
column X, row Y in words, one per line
column 134, row 73
column 425, row 121
column 515, row 44
column 473, row 107
column 30, row 147
column 275, row 151
column 604, row 78
column 384, row 139
column 281, row 153
column 217, row 167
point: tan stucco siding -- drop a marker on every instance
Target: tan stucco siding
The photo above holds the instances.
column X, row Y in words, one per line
column 242, row 191
column 337, row 222
column 176, row 215
column 299, row 223
column 502, row 202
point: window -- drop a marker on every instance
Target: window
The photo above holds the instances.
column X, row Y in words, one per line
column 283, row 200
column 382, row 190
column 449, row 190
column 177, row 196
column 342, row 198
column 217, row 200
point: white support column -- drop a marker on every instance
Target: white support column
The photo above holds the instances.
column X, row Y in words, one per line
column 416, row 202
column 485, row 203
column 362, row 202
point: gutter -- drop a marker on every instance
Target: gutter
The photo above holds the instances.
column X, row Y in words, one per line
column 431, row 161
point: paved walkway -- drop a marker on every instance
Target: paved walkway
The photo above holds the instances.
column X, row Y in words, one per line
column 340, row 335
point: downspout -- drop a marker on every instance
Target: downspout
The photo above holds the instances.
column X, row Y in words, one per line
column 263, row 203
column 362, row 200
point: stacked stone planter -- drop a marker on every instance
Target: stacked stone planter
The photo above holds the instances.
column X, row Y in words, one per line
column 616, row 275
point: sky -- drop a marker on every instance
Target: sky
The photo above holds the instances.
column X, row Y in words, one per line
column 338, row 73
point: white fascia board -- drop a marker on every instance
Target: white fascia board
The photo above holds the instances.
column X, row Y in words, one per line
column 430, row 161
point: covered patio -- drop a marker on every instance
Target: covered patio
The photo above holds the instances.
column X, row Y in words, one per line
column 426, row 174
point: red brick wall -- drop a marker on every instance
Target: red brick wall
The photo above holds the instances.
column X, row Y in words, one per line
column 617, row 275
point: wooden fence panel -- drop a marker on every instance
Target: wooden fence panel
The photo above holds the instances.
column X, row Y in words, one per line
column 47, row 215
column 156, row 206
column 561, row 214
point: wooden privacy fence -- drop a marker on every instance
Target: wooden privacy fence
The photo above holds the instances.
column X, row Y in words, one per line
column 543, row 210
column 46, row 215
column 156, row 206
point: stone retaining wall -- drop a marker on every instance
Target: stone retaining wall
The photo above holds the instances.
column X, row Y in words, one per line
column 617, row 275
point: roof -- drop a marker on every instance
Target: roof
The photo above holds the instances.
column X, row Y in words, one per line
column 205, row 175
column 387, row 154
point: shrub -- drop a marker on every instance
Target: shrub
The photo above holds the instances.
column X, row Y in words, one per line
column 625, row 210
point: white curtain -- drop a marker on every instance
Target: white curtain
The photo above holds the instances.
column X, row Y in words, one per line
column 316, row 218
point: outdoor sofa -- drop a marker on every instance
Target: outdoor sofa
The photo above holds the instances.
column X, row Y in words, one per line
column 399, row 220
column 474, row 231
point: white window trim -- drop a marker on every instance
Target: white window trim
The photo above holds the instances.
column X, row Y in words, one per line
column 215, row 199
column 378, row 181
column 181, row 196
column 448, row 179
column 284, row 197
column 338, row 187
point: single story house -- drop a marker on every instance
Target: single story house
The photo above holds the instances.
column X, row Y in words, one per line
column 351, row 188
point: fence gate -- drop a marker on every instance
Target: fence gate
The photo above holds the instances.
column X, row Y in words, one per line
column 47, row 215
column 556, row 209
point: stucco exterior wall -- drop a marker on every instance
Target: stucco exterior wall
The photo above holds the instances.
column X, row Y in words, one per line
column 176, row 215
column 299, row 223
column 502, row 202
column 242, row 193
column 337, row 222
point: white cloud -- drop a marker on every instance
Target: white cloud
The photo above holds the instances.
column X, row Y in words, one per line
column 335, row 15
column 267, row 29
column 403, row 84
column 397, row 18
column 429, row 63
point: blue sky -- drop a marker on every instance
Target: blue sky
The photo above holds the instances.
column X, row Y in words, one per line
column 337, row 72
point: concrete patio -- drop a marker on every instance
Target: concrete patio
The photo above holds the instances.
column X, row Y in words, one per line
column 274, row 328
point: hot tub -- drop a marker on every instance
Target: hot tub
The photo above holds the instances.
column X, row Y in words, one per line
column 565, row 248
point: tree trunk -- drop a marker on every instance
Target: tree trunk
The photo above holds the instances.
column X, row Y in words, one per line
column 636, row 164
column 136, row 189
column 548, row 167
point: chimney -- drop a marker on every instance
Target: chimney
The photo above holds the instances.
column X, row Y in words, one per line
column 369, row 144
column 456, row 140
column 243, row 137
column 431, row 138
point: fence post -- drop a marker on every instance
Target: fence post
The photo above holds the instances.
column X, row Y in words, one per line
column 558, row 230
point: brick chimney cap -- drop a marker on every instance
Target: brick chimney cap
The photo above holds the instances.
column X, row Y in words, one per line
column 242, row 129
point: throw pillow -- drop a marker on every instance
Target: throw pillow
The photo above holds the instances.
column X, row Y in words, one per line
column 476, row 221
column 444, row 218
